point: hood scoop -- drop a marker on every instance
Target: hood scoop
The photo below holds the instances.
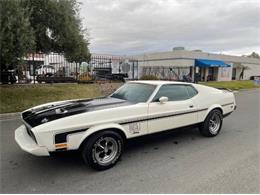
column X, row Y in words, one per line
column 61, row 111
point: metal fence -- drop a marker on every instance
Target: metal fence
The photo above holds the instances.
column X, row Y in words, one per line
column 54, row 68
column 51, row 67
column 172, row 73
column 113, row 67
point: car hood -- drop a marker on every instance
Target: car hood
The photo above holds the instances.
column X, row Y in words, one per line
column 46, row 113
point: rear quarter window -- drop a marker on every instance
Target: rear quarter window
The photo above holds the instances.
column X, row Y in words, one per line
column 173, row 92
column 191, row 91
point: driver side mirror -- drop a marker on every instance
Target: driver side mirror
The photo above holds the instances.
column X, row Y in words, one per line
column 163, row 99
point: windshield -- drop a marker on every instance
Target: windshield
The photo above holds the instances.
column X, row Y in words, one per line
column 134, row 92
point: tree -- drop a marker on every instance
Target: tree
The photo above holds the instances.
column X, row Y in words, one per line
column 254, row 55
column 57, row 28
column 241, row 76
column 33, row 26
column 16, row 34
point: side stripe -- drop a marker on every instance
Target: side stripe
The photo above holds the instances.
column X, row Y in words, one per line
column 162, row 116
column 62, row 137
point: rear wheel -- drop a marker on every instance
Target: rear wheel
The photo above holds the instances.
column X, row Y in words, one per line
column 212, row 124
column 103, row 150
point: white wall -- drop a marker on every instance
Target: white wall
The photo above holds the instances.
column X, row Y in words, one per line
column 184, row 58
column 225, row 74
column 254, row 70
column 173, row 62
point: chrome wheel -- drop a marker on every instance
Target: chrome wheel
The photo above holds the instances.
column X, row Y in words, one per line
column 214, row 123
column 105, row 150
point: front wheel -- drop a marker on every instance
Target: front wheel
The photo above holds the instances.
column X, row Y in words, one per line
column 212, row 124
column 103, row 150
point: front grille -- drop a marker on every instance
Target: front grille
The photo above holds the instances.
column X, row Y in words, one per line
column 30, row 133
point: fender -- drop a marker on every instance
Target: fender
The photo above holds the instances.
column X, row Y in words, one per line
column 93, row 130
column 214, row 106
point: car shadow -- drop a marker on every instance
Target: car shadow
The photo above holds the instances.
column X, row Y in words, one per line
column 163, row 137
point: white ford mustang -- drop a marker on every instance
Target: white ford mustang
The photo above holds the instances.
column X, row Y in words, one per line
column 99, row 127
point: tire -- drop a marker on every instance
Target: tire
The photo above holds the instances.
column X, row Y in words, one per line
column 212, row 124
column 103, row 150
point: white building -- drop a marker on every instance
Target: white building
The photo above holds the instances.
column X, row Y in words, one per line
column 173, row 65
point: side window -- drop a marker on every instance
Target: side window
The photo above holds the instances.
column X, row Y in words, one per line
column 173, row 92
column 191, row 90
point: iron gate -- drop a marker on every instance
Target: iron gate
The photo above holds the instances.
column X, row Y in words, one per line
column 54, row 68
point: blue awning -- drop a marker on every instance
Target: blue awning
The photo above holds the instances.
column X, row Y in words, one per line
column 204, row 63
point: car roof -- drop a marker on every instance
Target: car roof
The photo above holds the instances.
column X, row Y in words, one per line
column 159, row 82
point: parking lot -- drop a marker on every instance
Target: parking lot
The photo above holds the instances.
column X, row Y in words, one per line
column 179, row 161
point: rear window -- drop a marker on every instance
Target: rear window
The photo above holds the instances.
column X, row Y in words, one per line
column 51, row 67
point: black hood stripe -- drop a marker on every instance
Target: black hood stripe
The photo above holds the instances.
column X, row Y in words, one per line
column 53, row 112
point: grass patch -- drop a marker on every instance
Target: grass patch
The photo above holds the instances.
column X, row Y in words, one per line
column 233, row 85
column 16, row 98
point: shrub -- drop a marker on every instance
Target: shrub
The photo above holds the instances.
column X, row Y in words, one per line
column 149, row 77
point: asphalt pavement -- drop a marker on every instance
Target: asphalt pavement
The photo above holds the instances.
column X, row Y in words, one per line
column 180, row 161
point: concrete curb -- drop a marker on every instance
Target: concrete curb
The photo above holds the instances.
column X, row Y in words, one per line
column 10, row 115
column 248, row 89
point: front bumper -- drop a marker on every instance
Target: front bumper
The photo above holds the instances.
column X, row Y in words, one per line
column 28, row 144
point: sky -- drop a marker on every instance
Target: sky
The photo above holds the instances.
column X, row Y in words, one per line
column 130, row 27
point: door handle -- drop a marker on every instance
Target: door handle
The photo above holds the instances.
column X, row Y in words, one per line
column 191, row 106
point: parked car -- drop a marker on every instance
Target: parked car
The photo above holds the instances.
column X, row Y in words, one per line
column 46, row 70
column 8, row 77
column 54, row 79
column 254, row 77
column 100, row 127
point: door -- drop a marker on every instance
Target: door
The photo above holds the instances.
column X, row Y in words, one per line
column 210, row 76
column 234, row 73
column 178, row 111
